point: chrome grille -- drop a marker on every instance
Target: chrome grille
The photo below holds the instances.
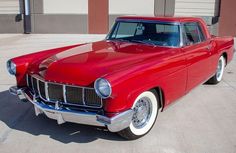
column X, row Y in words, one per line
column 41, row 87
column 29, row 82
column 55, row 92
column 66, row 94
column 74, row 95
column 90, row 97
column 34, row 85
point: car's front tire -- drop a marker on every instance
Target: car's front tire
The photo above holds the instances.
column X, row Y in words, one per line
column 145, row 109
column 219, row 71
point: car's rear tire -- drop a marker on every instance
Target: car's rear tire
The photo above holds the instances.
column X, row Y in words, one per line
column 219, row 71
column 145, row 108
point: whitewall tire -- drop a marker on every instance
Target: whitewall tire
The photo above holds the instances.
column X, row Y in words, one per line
column 145, row 109
column 219, row 71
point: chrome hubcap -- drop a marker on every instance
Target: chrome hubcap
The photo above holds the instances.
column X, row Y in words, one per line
column 142, row 112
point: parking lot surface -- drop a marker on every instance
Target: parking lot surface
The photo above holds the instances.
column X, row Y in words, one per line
column 203, row 121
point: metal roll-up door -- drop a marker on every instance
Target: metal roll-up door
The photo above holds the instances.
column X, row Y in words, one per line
column 9, row 7
column 197, row 7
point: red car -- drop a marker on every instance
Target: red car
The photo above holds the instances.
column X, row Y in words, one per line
column 121, row 83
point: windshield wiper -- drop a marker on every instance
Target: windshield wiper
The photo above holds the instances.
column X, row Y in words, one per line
column 142, row 42
column 120, row 39
column 133, row 40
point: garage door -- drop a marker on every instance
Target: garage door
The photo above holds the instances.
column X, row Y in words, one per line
column 196, row 7
column 9, row 7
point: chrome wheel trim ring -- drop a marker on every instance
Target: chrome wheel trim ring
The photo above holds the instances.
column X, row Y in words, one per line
column 142, row 112
column 220, row 68
column 150, row 120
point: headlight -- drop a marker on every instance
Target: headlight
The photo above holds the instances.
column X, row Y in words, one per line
column 11, row 67
column 102, row 88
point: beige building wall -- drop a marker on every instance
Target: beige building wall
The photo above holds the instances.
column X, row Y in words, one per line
column 65, row 6
column 10, row 20
column 131, row 7
column 59, row 16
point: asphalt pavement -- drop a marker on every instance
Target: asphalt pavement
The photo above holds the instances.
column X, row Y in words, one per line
column 203, row 121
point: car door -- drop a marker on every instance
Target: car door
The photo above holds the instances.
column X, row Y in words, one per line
column 197, row 52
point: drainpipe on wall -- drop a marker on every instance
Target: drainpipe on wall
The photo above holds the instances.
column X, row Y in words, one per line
column 27, row 18
column 215, row 19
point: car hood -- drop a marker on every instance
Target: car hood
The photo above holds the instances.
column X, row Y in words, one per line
column 82, row 65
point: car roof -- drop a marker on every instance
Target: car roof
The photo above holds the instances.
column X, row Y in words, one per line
column 161, row 18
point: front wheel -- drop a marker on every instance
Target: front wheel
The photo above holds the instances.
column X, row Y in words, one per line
column 219, row 72
column 145, row 109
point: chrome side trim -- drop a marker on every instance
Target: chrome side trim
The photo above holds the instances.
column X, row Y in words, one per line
column 38, row 88
column 83, row 96
column 181, row 31
column 27, row 80
column 46, row 91
column 64, row 93
column 32, row 83
column 62, row 115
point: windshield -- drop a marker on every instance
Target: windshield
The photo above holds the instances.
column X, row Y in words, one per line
column 160, row 33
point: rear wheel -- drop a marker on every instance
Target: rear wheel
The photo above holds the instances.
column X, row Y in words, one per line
column 145, row 112
column 219, row 72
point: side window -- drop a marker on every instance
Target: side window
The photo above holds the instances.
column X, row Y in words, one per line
column 202, row 36
column 125, row 29
column 193, row 33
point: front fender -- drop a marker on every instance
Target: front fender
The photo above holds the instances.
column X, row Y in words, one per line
column 128, row 83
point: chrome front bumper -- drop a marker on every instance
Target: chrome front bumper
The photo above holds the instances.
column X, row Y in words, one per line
column 62, row 115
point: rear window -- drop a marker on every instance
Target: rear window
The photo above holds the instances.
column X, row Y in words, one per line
column 161, row 28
